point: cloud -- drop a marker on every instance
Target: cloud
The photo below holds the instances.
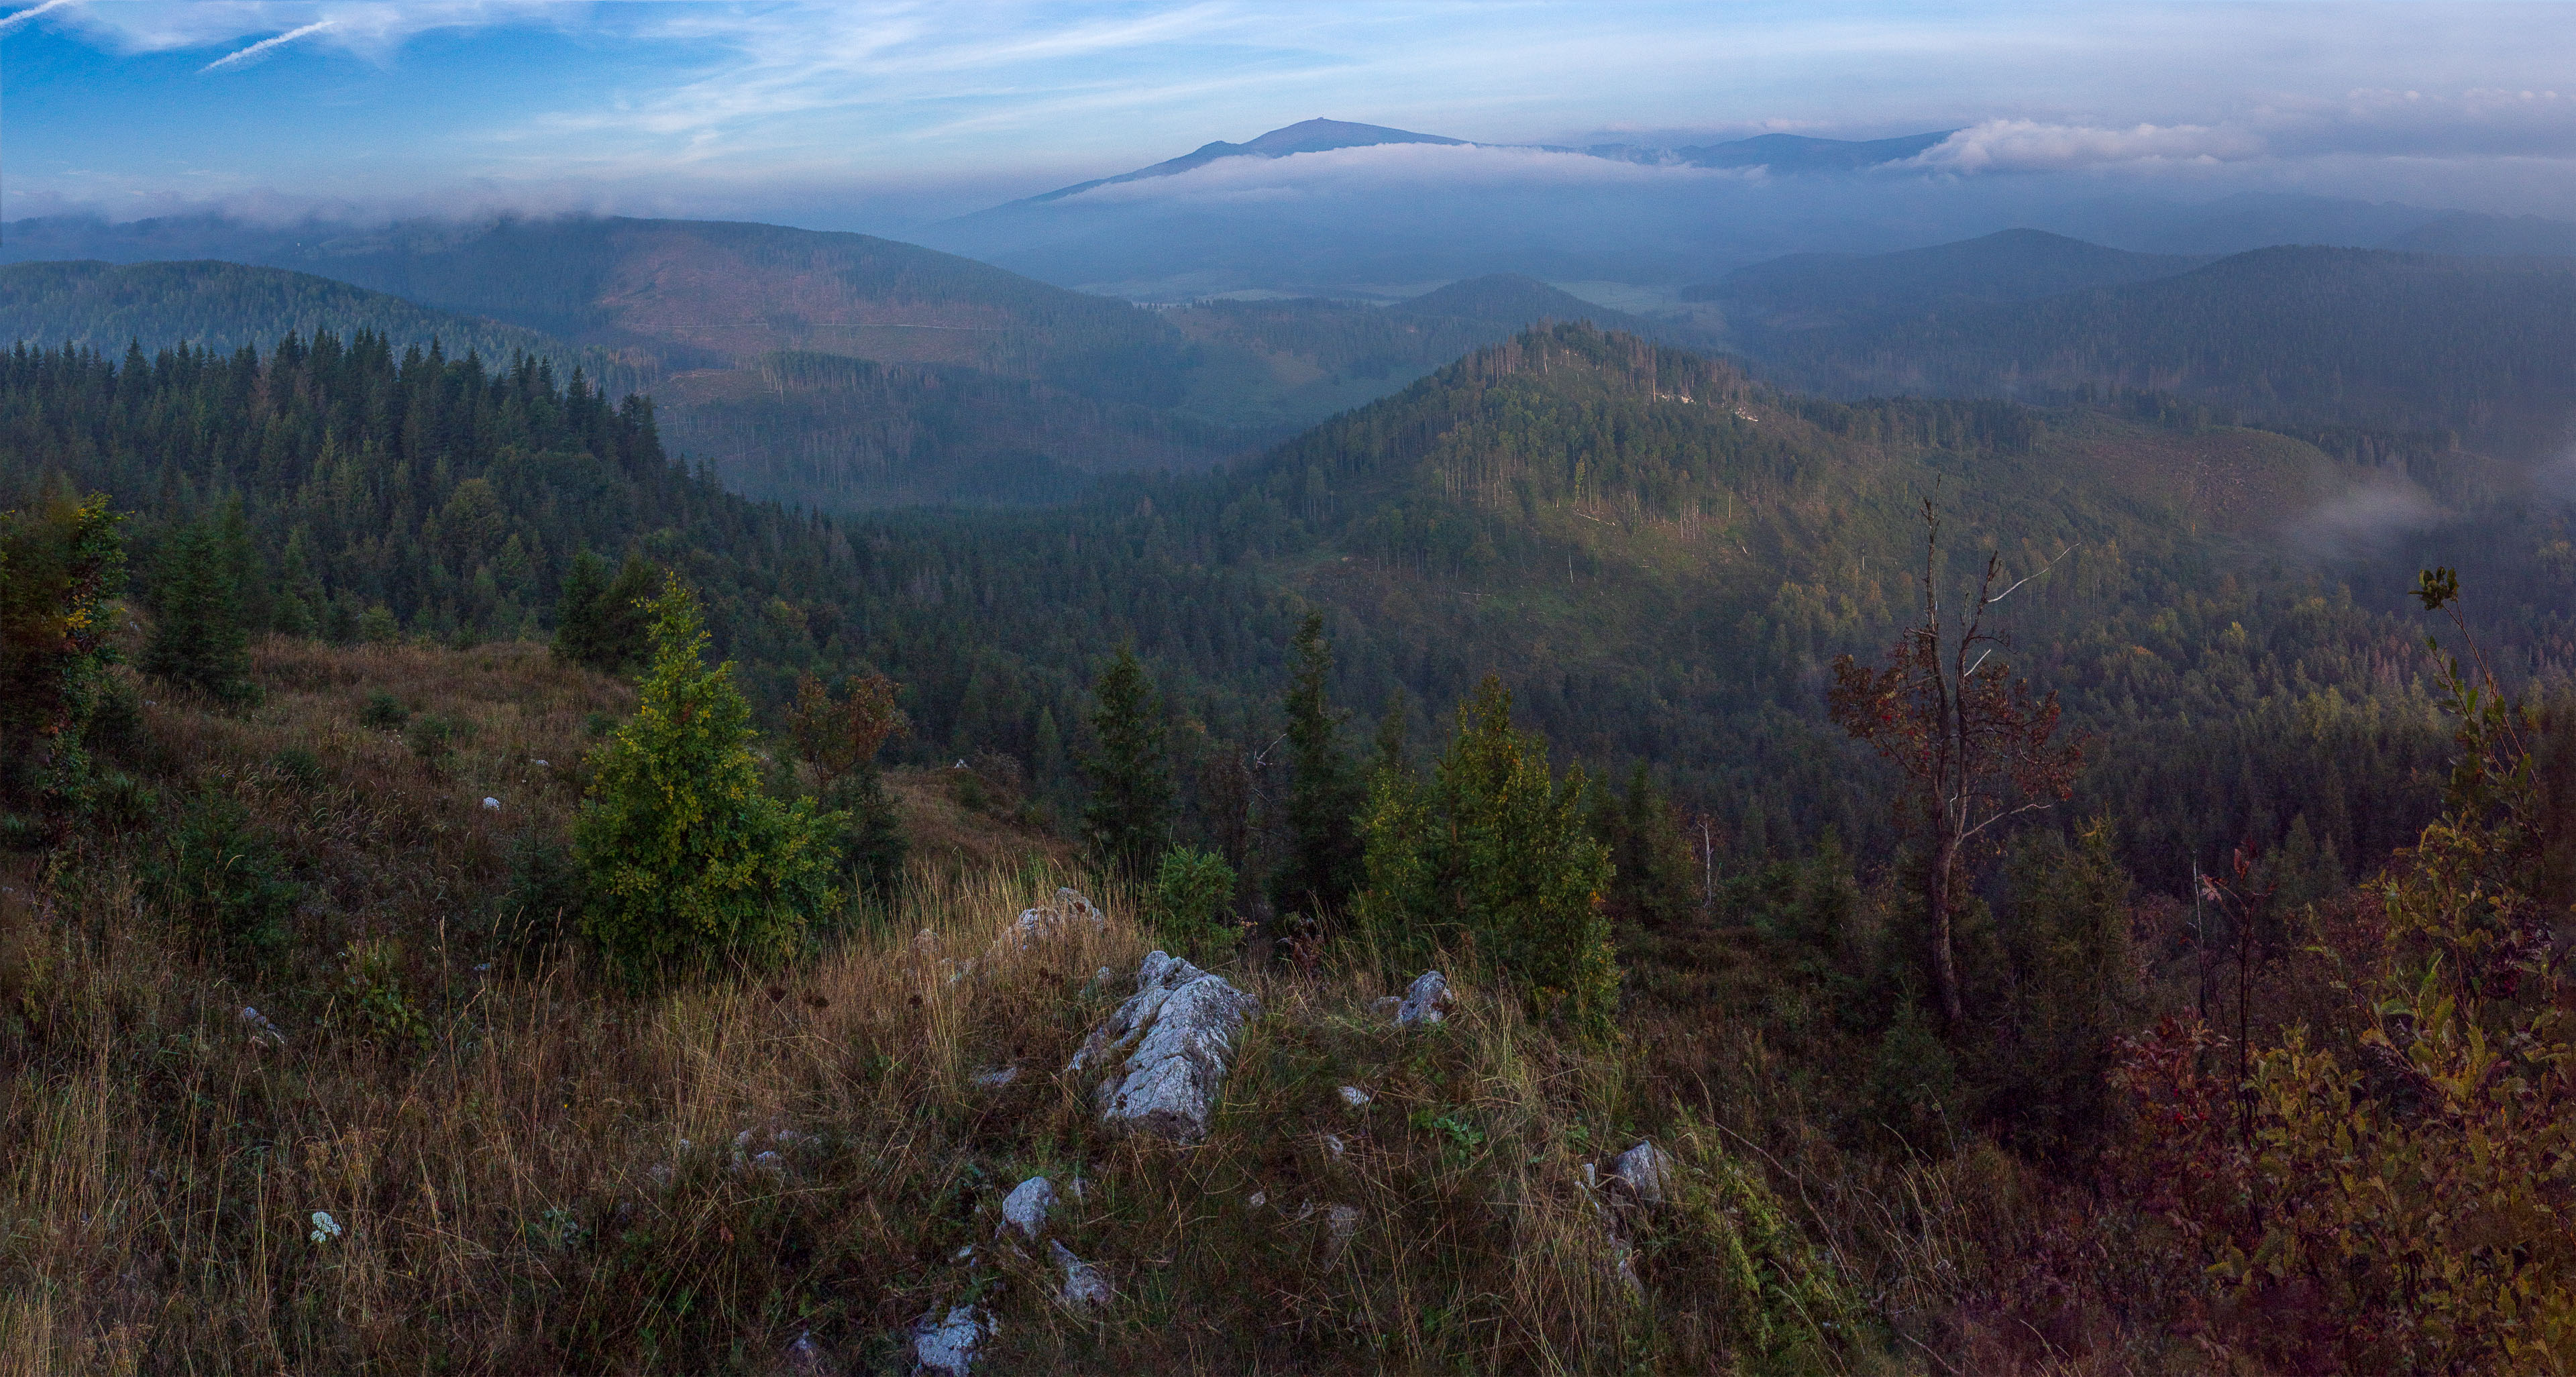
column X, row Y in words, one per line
column 22, row 16
column 2030, row 146
column 254, row 52
column 1401, row 167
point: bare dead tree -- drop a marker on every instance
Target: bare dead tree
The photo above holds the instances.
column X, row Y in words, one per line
column 1977, row 746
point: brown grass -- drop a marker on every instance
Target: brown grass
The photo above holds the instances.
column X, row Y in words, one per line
column 551, row 1180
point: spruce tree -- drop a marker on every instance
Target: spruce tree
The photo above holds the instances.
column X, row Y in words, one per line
column 1497, row 853
column 197, row 635
column 1129, row 817
column 600, row 622
column 1325, row 795
column 684, row 857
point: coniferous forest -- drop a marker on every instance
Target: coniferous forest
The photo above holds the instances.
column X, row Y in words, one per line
column 1678, row 873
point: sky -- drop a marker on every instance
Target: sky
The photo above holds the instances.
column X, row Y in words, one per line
column 875, row 116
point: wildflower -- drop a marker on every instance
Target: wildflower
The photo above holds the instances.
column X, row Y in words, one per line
column 325, row 1228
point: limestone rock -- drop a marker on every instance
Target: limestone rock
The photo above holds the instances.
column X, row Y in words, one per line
column 1070, row 912
column 947, row 1347
column 1647, row 1171
column 1425, row 1001
column 1084, row 1287
column 1166, row 1049
column 1355, row 1097
column 1027, row 1206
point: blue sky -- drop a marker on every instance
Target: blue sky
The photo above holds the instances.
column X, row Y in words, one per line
column 875, row 115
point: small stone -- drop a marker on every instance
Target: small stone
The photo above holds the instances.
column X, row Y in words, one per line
column 541, row 765
column 771, row 1163
column 947, row 1347
column 261, row 1030
column 1258, row 1199
column 1341, row 1224
column 965, row 1254
column 805, row 1355
column 1333, row 1148
column 1084, row 1287
column 1646, row 1170
column 660, row 1175
column 1425, row 1001
column 1353, row 1096
column 491, row 803
column 1027, row 1206
column 990, row 1080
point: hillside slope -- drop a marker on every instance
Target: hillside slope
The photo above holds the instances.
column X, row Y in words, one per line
column 227, row 306
column 2484, row 347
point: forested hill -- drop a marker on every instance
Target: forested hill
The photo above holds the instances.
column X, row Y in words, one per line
column 222, row 307
column 2483, row 347
column 1657, row 553
column 1804, row 290
column 835, row 371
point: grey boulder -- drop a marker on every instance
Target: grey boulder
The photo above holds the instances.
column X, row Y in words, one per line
column 1425, row 1001
column 1166, row 1048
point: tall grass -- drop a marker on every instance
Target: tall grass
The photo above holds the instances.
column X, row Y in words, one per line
column 540, row 1171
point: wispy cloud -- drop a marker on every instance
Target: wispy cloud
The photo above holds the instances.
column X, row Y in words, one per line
column 254, row 52
column 12, row 21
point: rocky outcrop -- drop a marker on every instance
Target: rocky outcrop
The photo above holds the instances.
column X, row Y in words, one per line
column 1166, row 1049
column 1425, row 1001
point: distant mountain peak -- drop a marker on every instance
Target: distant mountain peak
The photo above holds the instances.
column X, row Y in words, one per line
column 1305, row 136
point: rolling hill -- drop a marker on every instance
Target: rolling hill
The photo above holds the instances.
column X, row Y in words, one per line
column 2484, row 348
column 228, row 306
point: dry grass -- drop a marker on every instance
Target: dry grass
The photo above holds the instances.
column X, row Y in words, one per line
column 558, row 1176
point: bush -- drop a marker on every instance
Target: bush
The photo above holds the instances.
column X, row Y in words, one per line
column 1192, row 896
column 298, row 766
column 59, row 566
column 681, row 854
column 218, row 879
column 433, row 738
column 383, row 710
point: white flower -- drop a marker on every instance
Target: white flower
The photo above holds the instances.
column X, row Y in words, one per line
column 325, row 1228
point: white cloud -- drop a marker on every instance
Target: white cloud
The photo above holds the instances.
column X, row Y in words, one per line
column 2031, row 146
column 1397, row 167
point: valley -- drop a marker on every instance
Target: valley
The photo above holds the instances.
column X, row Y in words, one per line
column 1148, row 784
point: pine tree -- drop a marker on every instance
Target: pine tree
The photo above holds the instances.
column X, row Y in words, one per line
column 1325, row 795
column 1497, row 853
column 1129, row 817
column 683, row 855
column 197, row 635
column 599, row 622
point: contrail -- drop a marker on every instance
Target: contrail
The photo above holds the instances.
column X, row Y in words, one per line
column 22, row 16
column 246, row 54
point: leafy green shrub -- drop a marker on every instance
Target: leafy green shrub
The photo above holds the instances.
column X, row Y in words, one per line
column 372, row 988
column 59, row 567
column 682, row 855
column 598, row 724
column 383, row 710
column 1193, row 891
column 218, row 879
